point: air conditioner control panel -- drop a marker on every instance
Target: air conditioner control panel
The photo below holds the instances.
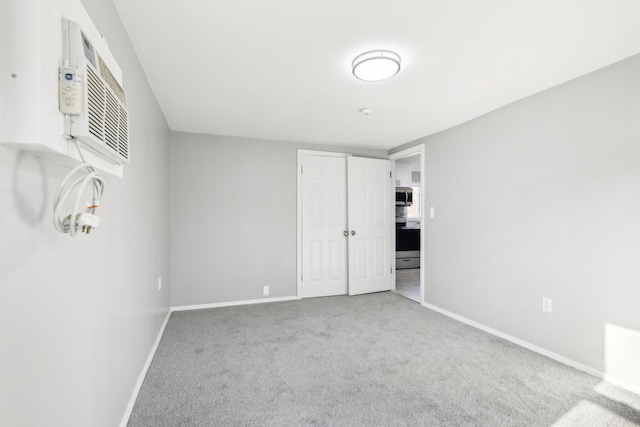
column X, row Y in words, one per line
column 70, row 91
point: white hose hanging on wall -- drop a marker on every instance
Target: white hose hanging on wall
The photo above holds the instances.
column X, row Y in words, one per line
column 86, row 220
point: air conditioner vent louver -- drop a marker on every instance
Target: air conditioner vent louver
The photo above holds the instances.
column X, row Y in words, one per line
column 124, row 134
column 107, row 117
column 96, row 101
column 111, row 122
column 111, row 81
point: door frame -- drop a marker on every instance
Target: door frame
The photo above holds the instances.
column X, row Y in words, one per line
column 301, row 154
column 417, row 149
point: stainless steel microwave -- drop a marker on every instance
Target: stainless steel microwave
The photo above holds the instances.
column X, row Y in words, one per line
column 404, row 196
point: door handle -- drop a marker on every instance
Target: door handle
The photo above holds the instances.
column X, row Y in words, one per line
column 353, row 233
column 345, row 233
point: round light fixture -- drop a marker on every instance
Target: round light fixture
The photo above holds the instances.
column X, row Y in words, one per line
column 376, row 65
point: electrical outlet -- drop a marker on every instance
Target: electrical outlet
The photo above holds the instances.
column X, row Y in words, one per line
column 547, row 305
column 160, row 283
column 265, row 291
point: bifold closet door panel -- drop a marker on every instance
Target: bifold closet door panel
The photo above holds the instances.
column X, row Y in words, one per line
column 369, row 211
column 324, row 221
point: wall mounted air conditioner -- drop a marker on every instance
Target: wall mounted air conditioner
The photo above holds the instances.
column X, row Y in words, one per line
column 39, row 39
column 99, row 117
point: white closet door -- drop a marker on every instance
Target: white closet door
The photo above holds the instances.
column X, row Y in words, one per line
column 324, row 220
column 369, row 213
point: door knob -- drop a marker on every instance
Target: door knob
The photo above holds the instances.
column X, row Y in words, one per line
column 353, row 233
column 345, row 233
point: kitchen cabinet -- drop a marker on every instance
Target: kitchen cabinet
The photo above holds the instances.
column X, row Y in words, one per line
column 407, row 178
column 403, row 178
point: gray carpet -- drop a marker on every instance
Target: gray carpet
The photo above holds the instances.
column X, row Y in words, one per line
column 371, row 360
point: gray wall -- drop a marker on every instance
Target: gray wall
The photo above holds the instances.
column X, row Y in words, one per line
column 79, row 316
column 233, row 217
column 541, row 198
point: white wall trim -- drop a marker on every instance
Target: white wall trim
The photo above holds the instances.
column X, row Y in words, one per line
column 301, row 154
column 231, row 303
column 143, row 373
column 555, row 356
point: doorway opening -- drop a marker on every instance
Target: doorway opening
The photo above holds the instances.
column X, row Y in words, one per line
column 408, row 280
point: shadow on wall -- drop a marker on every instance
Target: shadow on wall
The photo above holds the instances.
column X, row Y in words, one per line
column 22, row 208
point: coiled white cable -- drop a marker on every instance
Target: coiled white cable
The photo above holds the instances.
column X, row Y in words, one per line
column 67, row 186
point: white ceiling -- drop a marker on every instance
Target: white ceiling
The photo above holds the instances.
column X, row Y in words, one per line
column 281, row 69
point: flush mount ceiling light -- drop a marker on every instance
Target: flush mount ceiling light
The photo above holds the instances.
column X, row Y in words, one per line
column 376, row 65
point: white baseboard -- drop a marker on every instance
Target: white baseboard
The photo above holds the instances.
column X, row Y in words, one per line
column 143, row 373
column 231, row 303
column 518, row 341
column 584, row 368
